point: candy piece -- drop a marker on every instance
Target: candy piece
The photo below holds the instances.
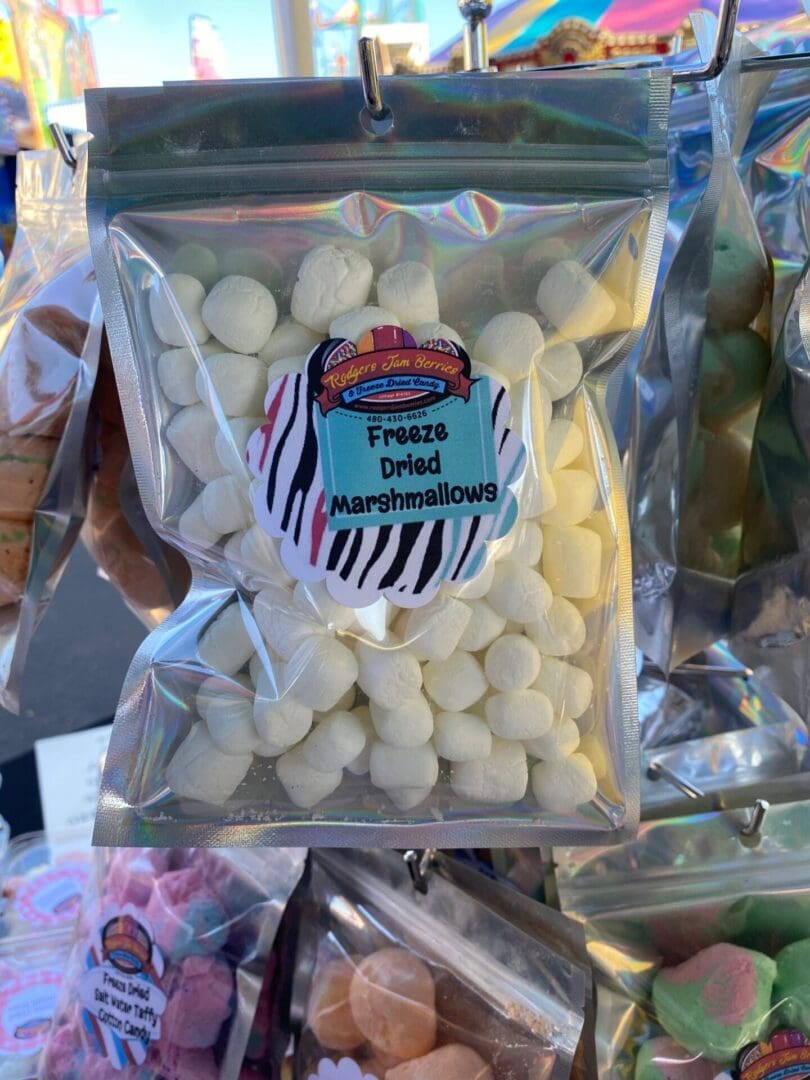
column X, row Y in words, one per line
column 408, row 724
column 197, row 260
column 518, row 592
column 564, row 443
column 557, row 743
column 238, row 383
column 524, row 544
column 792, row 990
column 662, row 1059
column 193, row 525
column 574, row 301
column 451, row 1062
column 562, row 786
column 288, row 365
column 231, row 444
column 572, row 561
column 199, row 771
column 475, row 587
column 175, row 1063
column 241, row 313
column 280, row 722
column 512, row 663
column 484, row 371
column 432, row 632
column 188, row 296
column 191, row 433
column 390, row 674
column 717, row 473
column 461, row 736
column 738, row 283
column 177, row 375
column 717, row 1002
column 329, row 1014
column 225, row 504
column 501, row 777
column 305, row 786
column 261, row 559
column 315, row 600
column 408, row 289
column 407, row 798
column 568, row 688
column 594, row 750
column 335, row 742
column 250, row 263
column 284, row 626
column 482, row 628
column 228, row 714
column 436, row 331
column 226, row 645
column 361, row 764
column 331, row 281
column 354, row 324
column 395, row 767
column 319, row 672
column 511, row 342
column 733, row 370
column 187, row 918
column 289, row 338
column 132, row 873
column 455, row 683
column 393, row 1002
column 560, row 369
column 519, row 714
column 576, row 497
column 200, row 1001
column 560, row 631
column 345, row 703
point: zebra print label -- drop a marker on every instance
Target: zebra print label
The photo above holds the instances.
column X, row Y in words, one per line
column 386, row 468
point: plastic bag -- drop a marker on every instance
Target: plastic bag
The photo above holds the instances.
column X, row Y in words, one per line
column 700, row 938
column 50, row 330
column 402, row 584
column 167, row 964
column 392, row 983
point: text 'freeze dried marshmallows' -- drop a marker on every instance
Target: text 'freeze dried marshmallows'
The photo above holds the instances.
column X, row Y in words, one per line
column 372, row 433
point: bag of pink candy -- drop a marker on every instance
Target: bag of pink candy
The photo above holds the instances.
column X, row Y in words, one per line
column 166, row 968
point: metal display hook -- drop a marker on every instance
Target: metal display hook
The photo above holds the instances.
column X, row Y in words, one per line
column 378, row 118
column 63, row 145
column 751, row 832
column 419, row 862
column 656, row 770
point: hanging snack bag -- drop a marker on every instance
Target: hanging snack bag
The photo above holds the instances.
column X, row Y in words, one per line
column 362, row 365
column 50, row 333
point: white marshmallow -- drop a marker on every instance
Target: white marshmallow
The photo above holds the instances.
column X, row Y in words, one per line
column 573, row 300
column 558, row 743
column 473, row 588
column 199, row 771
column 231, row 443
column 241, row 313
column 408, row 724
column 191, row 433
column 484, row 371
column 560, row 369
column 483, row 627
column 518, row 592
column 560, row 631
column 287, row 365
column 188, row 296
column 512, row 663
column 501, row 777
column 435, row 331
column 518, row 714
column 289, row 338
column 320, row 671
column 408, row 289
column 375, row 619
column 335, row 742
column 226, row 505
column 237, row 382
column 345, row 703
column 283, row 625
column 228, row 713
column 194, row 528
column 280, row 722
column 594, row 750
column 354, row 324
column 250, row 263
column 305, row 786
column 572, row 560
column 395, row 767
column 197, row 260
column 226, row 645
column 461, row 736
column 524, row 544
column 532, row 407
column 456, row 683
column 360, row 765
column 576, row 497
column 177, row 375
column 511, row 342
column 560, row 787
column 256, row 666
column 232, row 551
column 261, row 559
column 407, row 798
column 331, row 281
column 432, row 632
column 564, row 443
column 389, row 673
column 315, row 600
column 568, row 688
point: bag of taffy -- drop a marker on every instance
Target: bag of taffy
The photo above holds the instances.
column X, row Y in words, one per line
column 700, row 939
column 397, row 984
column 362, row 374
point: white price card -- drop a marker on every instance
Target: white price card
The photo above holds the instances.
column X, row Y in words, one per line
column 69, row 773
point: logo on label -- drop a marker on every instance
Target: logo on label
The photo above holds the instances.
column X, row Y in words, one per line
column 345, row 1069
column 785, row 1054
column 52, row 898
column 386, row 468
column 27, row 1005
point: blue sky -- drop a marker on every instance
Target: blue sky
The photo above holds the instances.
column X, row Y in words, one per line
column 148, row 41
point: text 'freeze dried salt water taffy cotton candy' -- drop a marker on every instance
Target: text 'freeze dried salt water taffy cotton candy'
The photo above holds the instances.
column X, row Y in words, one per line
column 383, row 447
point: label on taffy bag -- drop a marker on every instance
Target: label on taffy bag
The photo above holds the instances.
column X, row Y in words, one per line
column 785, row 1054
column 386, row 467
column 345, row 1069
column 120, row 990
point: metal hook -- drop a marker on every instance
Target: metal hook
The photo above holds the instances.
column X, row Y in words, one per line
column 783, row 62
column 690, row 668
column 726, row 24
column 370, row 78
column 63, row 146
column 750, row 832
column 476, row 47
column 656, row 770
column 419, row 862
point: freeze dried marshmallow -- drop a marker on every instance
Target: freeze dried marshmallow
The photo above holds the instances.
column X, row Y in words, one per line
column 524, row 544
column 393, row 767
column 360, row 765
column 260, row 556
column 564, row 443
column 226, row 645
column 576, row 497
column 511, row 342
column 231, row 444
column 315, row 600
column 501, row 777
column 436, row 331
column 197, row 260
column 461, row 736
column 289, row 338
column 484, row 371
column 568, row 688
column 334, row 742
column 512, row 663
column 192, row 433
column 560, row 631
column 572, row 561
column 407, row 798
column 188, row 296
column 199, row 771
column 408, row 289
column 226, row 504
column 284, row 626
column 432, row 632
column 518, row 592
column 482, row 628
column 456, row 683
column 408, row 724
column 560, row 369
column 193, row 526
column 388, row 673
column 177, row 375
column 331, row 281
column 558, row 743
column 305, row 786
column 532, row 405
column 320, row 672
column 595, row 752
column 239, row 383
column 561, row 787
column 241, row 313
column 573, row 300
column 475, row 587
column 228, row 713
column 280, row 722
column 519, row 714
column 354, row 324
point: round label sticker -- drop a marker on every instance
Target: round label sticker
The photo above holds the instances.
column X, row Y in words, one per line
column 52, row 898
column 27, row 1005
column 345, row 1069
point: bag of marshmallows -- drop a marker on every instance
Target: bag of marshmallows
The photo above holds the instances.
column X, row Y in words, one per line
column 361, row 365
